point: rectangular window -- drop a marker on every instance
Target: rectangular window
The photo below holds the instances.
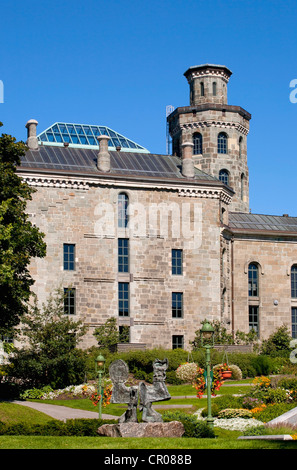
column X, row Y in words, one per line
column 253, row 280
column 177, row 261
column 294, row 322
column 69, row 256
column 177, row 342
column 123, row 255
column 177, row 304
column 254, row 318
column 69, row 301
column 123, row 299
column 294, row 282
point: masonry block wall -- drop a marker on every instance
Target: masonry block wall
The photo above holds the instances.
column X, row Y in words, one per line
column 274, row 303
column 72, row 216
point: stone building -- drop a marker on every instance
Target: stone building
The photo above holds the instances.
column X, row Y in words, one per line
column 161, row 242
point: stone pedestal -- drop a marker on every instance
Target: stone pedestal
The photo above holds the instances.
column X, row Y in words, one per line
column 171, row 429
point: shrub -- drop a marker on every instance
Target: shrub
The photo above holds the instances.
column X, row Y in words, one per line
column 230, row 413
column 276, row 395
column 35, row 393
column 255, row 431
column 193, row 427
column 172, row 379
column 289, row 383
column 278, row 343
column 72, row 427
column 263, row 365
column 272, row 411
column 223, row 402
column 251, row 402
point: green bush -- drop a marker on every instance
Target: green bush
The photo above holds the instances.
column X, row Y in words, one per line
column 263, row 365
column 288, row 383
column 272, row 411
column 229, row 413
column 255, row 431
column 35, row 393
column 72, row 427
column 193, row 427
column 278, row 343
column 223, row 402
column 172, row 379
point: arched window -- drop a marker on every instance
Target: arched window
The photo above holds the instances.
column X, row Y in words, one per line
column 123, row 202
column 242, row 186
column 294, row 281
column 202, row 89
column 224, row 176
column 240, row 146
column 222, row 143
column 214, row 89
column 253, row 280
column 197, row 141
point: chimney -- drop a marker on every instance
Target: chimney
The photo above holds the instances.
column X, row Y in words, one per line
column 188, row 169
column 32, row 141
column 103, row 161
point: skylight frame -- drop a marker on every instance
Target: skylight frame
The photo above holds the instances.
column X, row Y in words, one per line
column 85, row 136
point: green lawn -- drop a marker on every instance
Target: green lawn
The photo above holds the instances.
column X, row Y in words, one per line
column 225, row 439
column 43, row 442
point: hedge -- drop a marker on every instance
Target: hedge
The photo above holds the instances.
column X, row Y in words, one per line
column 72, row 427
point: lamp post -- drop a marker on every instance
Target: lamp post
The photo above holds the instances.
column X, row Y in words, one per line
column 100, row 368
column 207, row 342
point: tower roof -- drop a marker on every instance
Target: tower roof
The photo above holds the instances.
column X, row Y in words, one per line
column 206, row 69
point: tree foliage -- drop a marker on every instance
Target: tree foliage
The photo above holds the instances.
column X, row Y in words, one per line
column 107, row 334
column 19, row 239
column 50, row 356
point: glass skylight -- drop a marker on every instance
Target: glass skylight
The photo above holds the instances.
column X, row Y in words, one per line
column 85, row 136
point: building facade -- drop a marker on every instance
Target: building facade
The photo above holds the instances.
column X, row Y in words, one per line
column 162, row 242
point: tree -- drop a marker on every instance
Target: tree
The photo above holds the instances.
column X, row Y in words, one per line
column 19, row 239
column 50, row 355
column 278, row 343
column 107, row 334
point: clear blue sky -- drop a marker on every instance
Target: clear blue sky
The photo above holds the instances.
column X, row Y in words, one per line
column 119, row 63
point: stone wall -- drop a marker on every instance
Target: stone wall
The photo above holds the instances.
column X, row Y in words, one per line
column 74, row 216
column 275, row 258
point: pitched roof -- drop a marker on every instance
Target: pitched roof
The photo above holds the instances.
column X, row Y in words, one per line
column 82, row 161
column 245, row 222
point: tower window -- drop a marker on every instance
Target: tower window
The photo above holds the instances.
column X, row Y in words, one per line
column 253, row 280
column 214, row 89
column 222, row 143
column 123, row 202
column 240, row 146
column 197, row 141
column 242, row 186
column 202, row 89
column 224, row 176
